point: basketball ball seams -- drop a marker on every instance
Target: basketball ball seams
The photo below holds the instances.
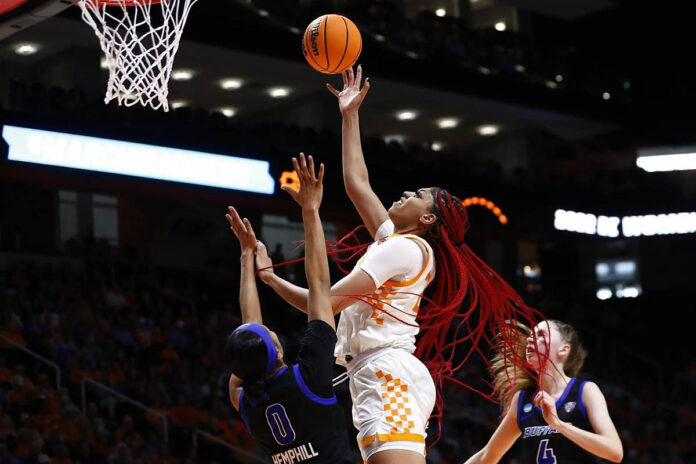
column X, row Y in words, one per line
column 326, row 48
column 345, row 47
column 309, row 48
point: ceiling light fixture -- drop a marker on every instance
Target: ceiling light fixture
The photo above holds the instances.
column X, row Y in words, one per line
column 228, row 111
column 488, row 129
column 398, row 138
column 406, row 115
column 447, row 123
column 231, row 83
column 500, row 26
column 182, row 74
column 279, row 92
column 26, row 49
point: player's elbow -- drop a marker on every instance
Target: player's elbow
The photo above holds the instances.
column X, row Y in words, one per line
column 616, row 455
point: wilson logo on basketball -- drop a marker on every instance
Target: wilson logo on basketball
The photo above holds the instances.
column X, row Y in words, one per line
column 313, row 37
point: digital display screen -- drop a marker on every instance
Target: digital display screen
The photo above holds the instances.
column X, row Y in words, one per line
column 136, row 159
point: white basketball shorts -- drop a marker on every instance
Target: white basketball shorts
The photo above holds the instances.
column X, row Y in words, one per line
column 393, row 396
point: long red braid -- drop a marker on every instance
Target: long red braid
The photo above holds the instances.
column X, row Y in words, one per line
column 471, row 307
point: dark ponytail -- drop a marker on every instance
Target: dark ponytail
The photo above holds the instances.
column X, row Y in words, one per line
column 251, row 356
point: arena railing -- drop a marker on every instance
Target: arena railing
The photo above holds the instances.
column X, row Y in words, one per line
column 111, row 391
column 36, row 356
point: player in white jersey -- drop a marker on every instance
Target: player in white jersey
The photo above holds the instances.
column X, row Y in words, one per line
column 420, row 235
column 392, row 390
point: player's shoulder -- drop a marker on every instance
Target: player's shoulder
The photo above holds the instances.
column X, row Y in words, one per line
column 385, row 229
column 588, row 386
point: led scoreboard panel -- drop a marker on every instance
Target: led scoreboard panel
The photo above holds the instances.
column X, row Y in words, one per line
column 136, row 159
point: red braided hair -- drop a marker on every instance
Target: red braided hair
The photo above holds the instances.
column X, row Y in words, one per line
column 470, row 303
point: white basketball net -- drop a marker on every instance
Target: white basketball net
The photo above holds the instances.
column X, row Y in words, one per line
column 138, row 48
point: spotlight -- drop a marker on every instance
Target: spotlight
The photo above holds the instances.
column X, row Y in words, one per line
column 26, row 49
column 406, row 115
column 447, row 123
column 182, row 74
column 228, row 111
column 488, row 129
column 231, row 83
column 279, row 92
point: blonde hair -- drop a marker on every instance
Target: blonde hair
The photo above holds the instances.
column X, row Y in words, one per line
column 510, row 377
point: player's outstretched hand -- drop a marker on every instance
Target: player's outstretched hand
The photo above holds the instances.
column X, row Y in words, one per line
column 311, row 185
column 242, row 229
column 264, row 265
column 350, row 98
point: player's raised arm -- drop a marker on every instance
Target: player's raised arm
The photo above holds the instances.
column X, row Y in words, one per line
column 502, row 440
column 355, row 175
column 316, row 261
column 248, row 294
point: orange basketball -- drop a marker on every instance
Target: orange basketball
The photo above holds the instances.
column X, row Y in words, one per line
column 331, row 44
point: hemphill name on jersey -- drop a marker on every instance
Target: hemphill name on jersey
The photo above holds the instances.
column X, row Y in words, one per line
column 298, row 454
column 538, row 431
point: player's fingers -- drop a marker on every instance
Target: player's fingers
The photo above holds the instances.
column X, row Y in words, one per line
column 365, row 88
column 320, row 177
column 358, row 76
column 235, row 220
column 332, row 89
column 291, row 191
column 303, row 164
column 247, row 227
column 310, row 168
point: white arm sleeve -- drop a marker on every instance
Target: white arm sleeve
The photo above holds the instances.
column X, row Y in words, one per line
column 399, row 258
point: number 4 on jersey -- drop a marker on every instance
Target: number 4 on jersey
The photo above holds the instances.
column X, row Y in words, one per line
column 545, row 455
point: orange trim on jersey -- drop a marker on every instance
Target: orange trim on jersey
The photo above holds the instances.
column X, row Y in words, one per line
column 406, row 283
column 392, row 437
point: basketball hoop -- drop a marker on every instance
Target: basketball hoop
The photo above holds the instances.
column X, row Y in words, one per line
column 139, row 39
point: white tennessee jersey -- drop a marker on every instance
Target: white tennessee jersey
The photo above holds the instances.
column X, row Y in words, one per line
column 402, row 266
